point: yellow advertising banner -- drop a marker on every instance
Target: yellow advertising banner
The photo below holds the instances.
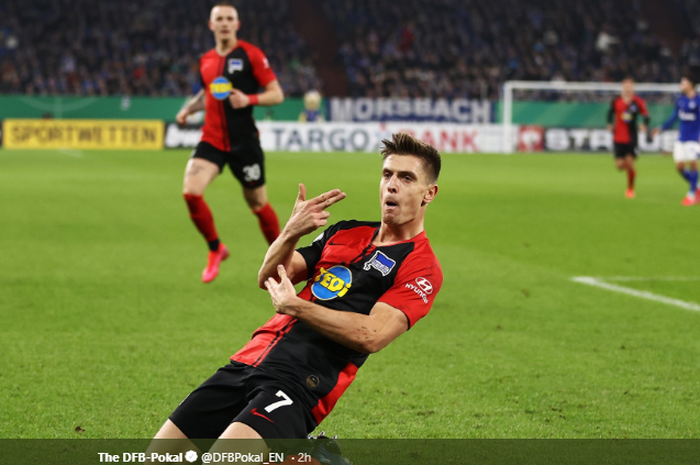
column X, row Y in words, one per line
column 82, row 134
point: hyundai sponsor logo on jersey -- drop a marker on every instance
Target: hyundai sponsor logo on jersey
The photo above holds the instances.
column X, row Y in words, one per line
column 331, row 283
column 422, row 287
column 380, row 262
column 220, row 88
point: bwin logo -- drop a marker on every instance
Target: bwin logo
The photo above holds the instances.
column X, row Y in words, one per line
column 332, row 283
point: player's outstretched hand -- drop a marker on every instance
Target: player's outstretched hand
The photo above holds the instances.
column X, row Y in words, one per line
column 282, row 293
column 309, row 215
column 181, row 117
column 238, row 99
column 655, row 131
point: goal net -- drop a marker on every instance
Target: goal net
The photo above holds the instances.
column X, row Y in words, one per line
column 572, row 116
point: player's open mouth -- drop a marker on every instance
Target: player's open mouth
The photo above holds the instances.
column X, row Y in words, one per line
column 391, row 204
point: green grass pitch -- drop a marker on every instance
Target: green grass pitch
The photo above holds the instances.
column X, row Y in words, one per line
column 105, row 325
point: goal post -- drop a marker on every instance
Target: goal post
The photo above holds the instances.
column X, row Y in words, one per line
column 602, row 91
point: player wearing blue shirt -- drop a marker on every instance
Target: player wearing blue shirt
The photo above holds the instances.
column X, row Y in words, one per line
column 687, row 147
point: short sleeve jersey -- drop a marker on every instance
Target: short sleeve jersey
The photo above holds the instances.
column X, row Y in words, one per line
column 245, row 68
column 349, row 274
column 687, row 110
column 626, row 115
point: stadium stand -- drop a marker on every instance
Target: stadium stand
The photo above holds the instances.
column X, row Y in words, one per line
column 150, row 47
column 468, row 48
column 690, row 50
column 412, row 48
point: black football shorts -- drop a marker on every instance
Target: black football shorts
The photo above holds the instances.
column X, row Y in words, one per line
column 242, row 393
column 245, row 159
column 622, row 150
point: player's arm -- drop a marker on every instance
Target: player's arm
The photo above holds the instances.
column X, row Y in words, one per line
column 272, row 95
column 611, row 115
column 307, row 216
column 646, row 119
column 195, row 104
column 669, row 122
column 364, row 333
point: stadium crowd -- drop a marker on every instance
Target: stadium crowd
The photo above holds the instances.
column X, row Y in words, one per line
column 148, row 47
column 467, row 48
column 690, row 51
column 412, row 48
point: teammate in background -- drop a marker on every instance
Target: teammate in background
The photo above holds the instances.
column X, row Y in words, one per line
column 686, row 148
column 366, row 284
column 312, row 104
column 232, row 73
column 622, row 120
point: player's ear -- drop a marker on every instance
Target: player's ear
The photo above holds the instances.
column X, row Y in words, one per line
column 211, row 27
column 429, row 195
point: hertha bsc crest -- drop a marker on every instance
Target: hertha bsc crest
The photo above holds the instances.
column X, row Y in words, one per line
column 235, row 64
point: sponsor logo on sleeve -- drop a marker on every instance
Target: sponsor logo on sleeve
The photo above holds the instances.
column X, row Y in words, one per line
column 380, row 262
column 422, row 287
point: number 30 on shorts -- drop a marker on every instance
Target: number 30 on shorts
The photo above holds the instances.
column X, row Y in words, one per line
column 251, row 173
column 281, row 403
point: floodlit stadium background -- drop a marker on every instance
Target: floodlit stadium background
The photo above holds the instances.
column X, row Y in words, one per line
column 567, row 310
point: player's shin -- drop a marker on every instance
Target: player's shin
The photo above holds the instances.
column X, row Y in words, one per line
column 203, row 219
column 269, row 223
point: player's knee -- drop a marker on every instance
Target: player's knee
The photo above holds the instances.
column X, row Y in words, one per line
column 188, row 189
column 256, row 205
column 256, row 198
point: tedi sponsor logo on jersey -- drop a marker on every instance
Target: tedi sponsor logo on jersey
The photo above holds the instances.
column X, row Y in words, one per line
column 422, row 287
column 235, row 64
column 220, row 88
column 380, row 262
column 331, row 283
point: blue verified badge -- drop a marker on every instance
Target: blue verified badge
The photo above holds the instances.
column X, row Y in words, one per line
column 380, row 262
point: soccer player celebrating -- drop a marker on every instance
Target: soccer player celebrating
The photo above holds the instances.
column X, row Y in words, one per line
column 366, row 284
column 622, row 120
column 686, row 148
column 232, row 73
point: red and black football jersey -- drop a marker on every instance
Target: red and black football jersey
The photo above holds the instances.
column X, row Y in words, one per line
column 245, row 68
column 349, row 274
column 625, row 118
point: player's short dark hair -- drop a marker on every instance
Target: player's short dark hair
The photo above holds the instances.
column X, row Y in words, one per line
column 405, row 144
column 628, row 78
column 224, row 3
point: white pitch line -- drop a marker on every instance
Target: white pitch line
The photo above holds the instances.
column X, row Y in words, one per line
column 649, row 278
column 636, row 293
